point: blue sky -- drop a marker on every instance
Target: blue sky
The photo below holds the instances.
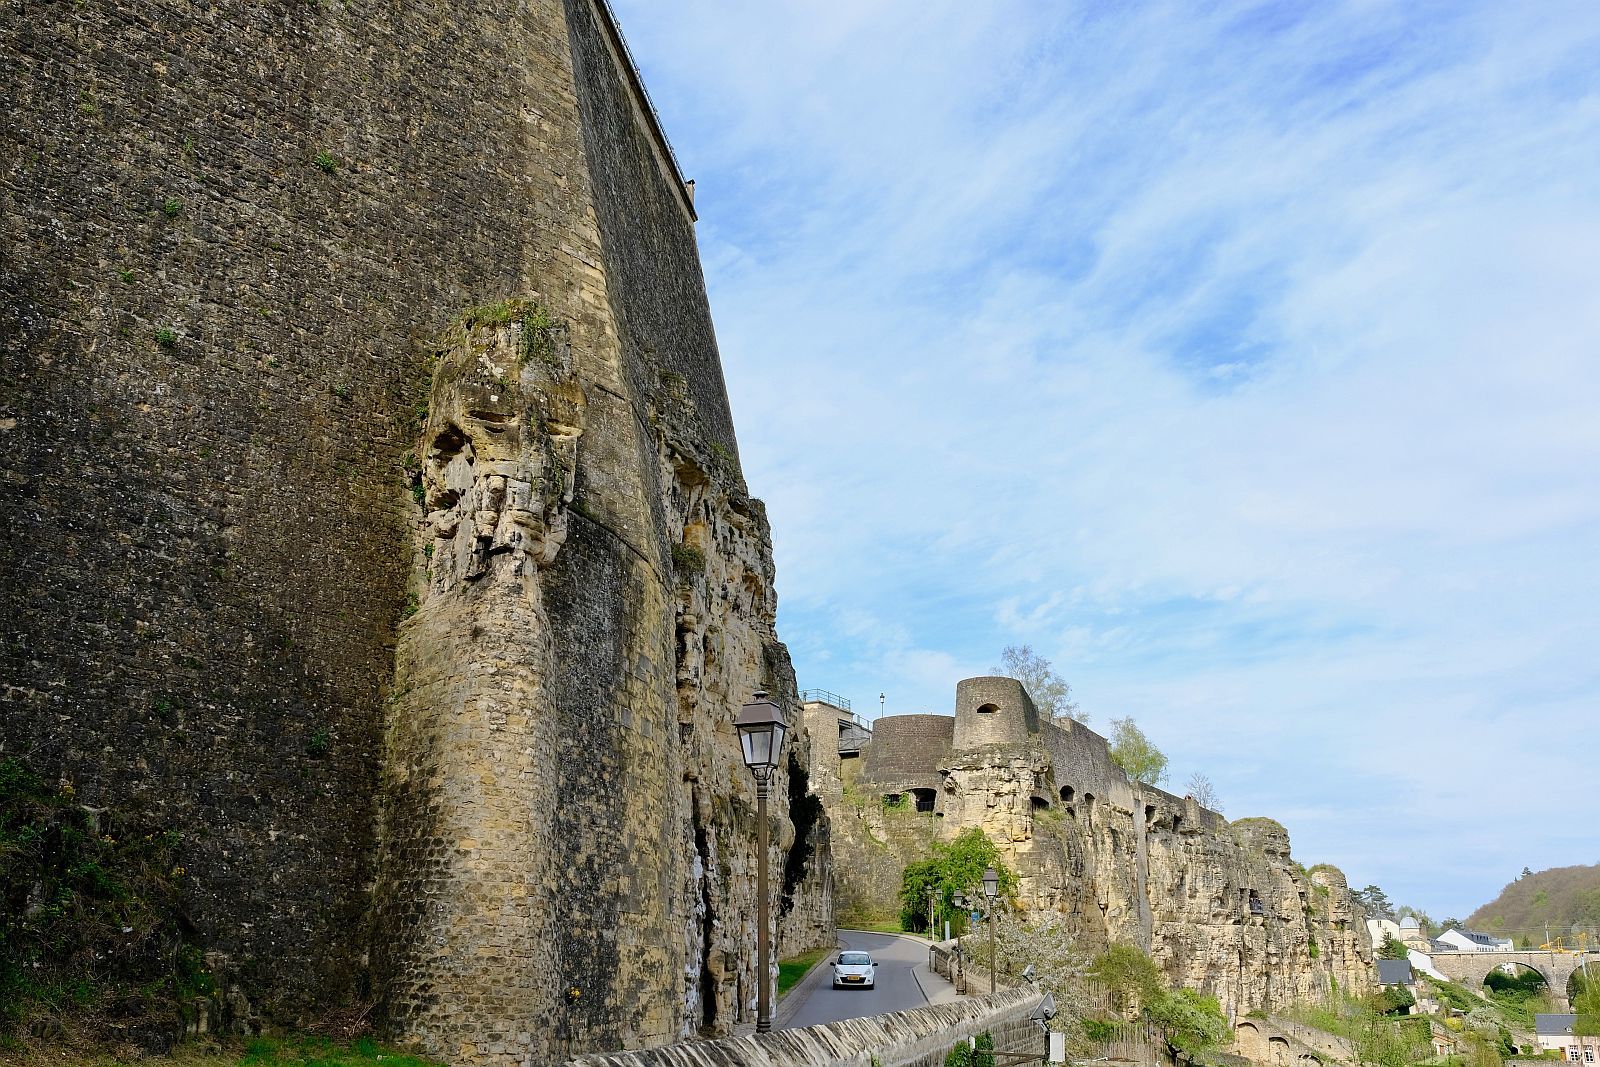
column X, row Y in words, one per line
column 1243, row 359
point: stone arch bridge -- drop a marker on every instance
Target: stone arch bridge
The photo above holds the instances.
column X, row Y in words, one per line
column 1471, row 968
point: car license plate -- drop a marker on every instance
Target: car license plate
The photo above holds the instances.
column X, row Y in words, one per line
column 852, row 978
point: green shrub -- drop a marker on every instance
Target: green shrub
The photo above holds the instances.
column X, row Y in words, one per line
column 688, row 560
column 88, row 912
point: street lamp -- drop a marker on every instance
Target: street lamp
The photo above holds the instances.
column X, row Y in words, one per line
column 960, row 901
column 991, row 886
column 932, row 894
column 761, row 728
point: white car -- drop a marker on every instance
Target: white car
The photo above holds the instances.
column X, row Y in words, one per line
column 854, row 970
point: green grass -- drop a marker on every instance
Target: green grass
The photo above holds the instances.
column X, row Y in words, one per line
column 876, row 926
column 791, row 970
column 298, row 1051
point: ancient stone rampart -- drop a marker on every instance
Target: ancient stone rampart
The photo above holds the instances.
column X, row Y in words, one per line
column 373, row 514
column 1221, row 906
column 921, row 1037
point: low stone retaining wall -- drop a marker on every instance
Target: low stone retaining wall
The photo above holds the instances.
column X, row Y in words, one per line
column 921, row 1037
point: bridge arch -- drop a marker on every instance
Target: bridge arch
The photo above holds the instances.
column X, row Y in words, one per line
column 1471, row 968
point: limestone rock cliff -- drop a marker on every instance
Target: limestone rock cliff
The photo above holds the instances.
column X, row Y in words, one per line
column 1222, row 907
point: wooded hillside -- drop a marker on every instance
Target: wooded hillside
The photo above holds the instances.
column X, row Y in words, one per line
column 1561, row 897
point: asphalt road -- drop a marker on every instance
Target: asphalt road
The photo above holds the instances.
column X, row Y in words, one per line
column 896, row 989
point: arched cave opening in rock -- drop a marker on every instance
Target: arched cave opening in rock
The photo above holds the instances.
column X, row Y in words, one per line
column 1039, row 804
column 1066, row 794
column 924, row 799
column 987, row 709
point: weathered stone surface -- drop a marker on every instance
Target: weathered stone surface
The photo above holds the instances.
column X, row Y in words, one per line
column 482, row 739
column 1221, row 907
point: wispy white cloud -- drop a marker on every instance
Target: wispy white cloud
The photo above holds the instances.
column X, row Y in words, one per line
column 1244, row 360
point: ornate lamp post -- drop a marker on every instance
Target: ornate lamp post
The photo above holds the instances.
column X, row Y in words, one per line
column 761, row 729
column 932, row 893
column 991, row 886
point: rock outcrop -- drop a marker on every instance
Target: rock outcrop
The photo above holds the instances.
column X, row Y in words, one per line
column 1222, row 907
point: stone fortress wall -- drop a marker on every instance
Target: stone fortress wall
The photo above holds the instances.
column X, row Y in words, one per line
column 373, row 514
column 1221, row 906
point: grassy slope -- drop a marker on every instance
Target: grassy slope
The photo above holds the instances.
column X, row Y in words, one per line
column 257, row 1052
column 1560, row 896
column 791, row 970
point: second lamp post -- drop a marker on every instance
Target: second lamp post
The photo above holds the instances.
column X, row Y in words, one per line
column 991, row 888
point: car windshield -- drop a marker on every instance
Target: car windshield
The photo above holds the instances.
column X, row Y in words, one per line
column 854, row 959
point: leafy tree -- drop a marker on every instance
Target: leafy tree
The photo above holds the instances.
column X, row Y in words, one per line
column 1586, row 1003
column 1193, row 1022
column 1130, row 977
column 1392, row 948
column 1205, row 794
column 1132, row 751
column 1051, row 693
column 954, row 866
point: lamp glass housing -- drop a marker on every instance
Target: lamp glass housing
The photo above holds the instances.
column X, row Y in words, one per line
column 761, row 731
column 991, row 883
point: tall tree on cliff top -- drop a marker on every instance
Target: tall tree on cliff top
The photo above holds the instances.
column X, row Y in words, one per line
column 1051, row 693
column 1133, row 752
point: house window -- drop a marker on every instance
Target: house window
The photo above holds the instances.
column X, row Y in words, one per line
column 1572, row 1053
column 1588, row 1054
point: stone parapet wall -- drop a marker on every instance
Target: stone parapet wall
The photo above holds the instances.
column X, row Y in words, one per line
column 922, row 1037
column 906, row 752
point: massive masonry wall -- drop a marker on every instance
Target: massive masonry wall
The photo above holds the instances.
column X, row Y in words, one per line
column 358, row 587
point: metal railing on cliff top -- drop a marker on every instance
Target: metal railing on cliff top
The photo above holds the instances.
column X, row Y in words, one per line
column 613, row 28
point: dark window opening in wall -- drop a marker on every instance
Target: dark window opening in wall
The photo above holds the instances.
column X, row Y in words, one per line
column 1177, row 823
column 1066, row 794
column 891, row 800
column 987, row 709
column 924, row 798
column 1149, row 814
column 1256, row 907
column 1040, row 804
column 849, row 755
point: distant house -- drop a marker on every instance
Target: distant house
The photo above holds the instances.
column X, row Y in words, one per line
column 1445, row 1043
column 1555, row 1032
column 1472, row 941
column 1395, row 972
column 1382, row 928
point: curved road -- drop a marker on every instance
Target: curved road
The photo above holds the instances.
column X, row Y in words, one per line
column 896, row 990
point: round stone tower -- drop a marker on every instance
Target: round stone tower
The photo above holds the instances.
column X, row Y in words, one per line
column 993, row 711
